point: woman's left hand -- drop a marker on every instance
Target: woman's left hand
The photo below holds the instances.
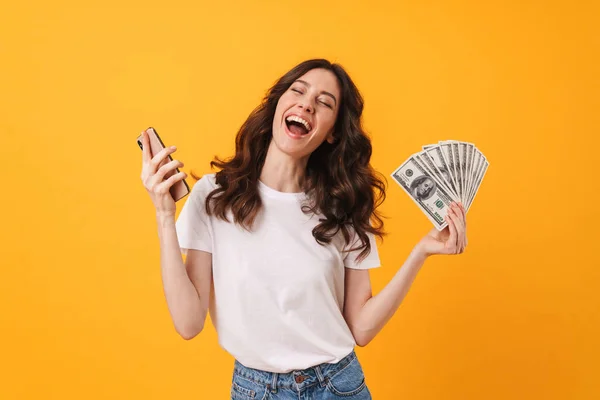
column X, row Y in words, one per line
column 452, row 239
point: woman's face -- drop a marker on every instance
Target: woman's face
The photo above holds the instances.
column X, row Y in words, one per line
column 306, row 113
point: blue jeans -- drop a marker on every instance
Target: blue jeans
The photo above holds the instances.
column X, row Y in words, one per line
column 342, row 380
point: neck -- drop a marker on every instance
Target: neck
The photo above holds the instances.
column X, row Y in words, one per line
column 282, row 172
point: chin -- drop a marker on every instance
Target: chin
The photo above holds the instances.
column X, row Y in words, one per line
column 291, row 147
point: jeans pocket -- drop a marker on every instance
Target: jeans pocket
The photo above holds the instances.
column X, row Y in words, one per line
column 350, row 381
column 245, row 389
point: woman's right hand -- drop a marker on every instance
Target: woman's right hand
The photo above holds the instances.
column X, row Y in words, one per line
column 154, row 170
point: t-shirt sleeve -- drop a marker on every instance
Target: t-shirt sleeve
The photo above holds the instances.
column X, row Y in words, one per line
column 370, row 261
column 193, row 225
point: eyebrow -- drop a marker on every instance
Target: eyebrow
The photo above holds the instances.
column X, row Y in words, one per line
column 322, row 92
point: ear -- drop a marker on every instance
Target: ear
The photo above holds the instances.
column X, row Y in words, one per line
column 330, row 139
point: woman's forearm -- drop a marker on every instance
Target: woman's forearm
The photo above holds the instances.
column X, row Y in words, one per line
column 378, row 310
column 183, row 301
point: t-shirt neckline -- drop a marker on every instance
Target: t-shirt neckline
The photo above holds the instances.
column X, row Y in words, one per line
column 269, row 191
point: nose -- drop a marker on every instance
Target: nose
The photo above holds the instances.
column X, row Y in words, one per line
column 305, row 104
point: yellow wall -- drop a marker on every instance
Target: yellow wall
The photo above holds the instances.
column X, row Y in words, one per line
column 82, row 309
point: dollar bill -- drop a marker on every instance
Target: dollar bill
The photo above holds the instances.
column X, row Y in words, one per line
column 477, row 162
column 462, row 154
column 422, row 188
column 450, row 170
column 459, row 177
column 448, row 155
column 429, row 165
column 481, row 174
column 470, row 152
column 435, row 153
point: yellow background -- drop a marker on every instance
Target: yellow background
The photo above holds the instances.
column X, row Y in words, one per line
column 83, row 315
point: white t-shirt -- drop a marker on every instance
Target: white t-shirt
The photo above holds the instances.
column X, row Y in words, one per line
column 278, row 294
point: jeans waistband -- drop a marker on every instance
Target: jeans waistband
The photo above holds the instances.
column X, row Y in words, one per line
column 298, row 379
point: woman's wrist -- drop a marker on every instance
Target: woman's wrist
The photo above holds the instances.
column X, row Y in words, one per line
column 165, row 219
column 419, row 252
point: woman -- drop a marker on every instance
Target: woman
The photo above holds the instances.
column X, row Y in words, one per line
column 279, row 242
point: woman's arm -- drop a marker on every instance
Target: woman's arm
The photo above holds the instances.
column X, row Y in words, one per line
column 365, row 314
column 186, row 287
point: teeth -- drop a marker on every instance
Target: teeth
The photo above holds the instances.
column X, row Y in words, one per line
column 300, row 120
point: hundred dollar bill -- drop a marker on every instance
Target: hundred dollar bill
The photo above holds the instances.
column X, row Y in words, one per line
column 476, row 165
column 427, row 163
column 431, row 198
column 470, row 154
column 477, row 157
column 435, row 153
column 448, row 156
column 459, row 176
column 462, row 154
column 480, row 175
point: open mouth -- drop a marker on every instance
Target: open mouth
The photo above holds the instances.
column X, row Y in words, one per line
column 297, row 125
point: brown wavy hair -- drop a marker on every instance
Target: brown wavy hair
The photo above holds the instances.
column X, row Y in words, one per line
column 339, row 180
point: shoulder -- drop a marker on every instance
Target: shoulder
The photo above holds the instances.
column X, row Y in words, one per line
column 355, row 239
column 205, row 184
column 200, row 190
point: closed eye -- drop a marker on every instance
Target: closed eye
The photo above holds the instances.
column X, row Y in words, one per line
column 322, row 102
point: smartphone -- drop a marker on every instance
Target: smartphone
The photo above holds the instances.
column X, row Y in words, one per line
column 179, row 189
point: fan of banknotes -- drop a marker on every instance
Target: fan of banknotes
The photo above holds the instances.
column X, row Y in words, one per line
column 440, row 174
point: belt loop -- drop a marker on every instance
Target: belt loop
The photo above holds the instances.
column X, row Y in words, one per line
column 274, row 383
column 320, row 377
